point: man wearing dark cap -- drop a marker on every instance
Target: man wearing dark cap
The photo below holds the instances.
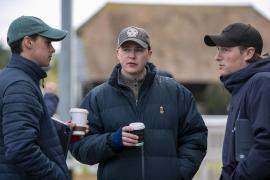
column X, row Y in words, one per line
column 175, row 136
column 246, row 75
column 29, row 146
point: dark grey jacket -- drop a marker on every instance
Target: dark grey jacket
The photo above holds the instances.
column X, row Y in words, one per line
column 175, row 135
column 29, row 146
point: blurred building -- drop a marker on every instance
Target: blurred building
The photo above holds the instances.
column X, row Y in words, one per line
column 176, row 32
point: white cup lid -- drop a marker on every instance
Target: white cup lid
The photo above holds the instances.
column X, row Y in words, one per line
column 78, row 110
column 137, row 125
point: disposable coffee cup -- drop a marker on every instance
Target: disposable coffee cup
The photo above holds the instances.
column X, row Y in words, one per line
column 138, row 129
column 79, row 117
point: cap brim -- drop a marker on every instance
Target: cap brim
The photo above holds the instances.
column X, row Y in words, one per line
column 138, row 41
column 218, row 40
column 54, row 34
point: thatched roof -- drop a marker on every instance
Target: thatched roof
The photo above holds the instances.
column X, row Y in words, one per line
column 176, row 33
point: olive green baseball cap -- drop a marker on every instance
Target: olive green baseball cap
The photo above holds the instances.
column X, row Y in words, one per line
column 30, row 25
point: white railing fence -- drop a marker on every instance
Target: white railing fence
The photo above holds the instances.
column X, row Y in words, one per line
column 211, row 166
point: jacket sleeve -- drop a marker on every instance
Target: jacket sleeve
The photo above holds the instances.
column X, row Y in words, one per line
column 22, row 113
column 257, row 163
column 97, row 146
column 192, row 136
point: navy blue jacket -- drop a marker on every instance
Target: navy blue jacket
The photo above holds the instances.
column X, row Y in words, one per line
column 254, row 106
column 29, row 145
column 175, row 135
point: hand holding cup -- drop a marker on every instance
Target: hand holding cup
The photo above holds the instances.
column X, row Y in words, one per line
column 138, row 129
column 133, row 134
column 79, row 118
column 129, row 139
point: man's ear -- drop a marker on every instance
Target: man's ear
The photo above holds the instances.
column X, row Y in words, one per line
column 149, row 54
column 27, row 42
column 117, row 52
column 249, row 53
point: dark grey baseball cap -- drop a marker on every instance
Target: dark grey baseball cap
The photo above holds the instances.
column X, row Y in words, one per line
column 237, row 34
column 30, row 25
column 135, row 34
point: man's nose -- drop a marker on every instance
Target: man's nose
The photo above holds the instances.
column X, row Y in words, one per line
column 217, row 56
column 52, row 49
column 131, row 53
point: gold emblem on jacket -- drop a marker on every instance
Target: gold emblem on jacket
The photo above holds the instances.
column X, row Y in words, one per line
column 161, row 110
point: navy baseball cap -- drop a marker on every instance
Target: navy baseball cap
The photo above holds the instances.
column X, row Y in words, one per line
column 237, row 34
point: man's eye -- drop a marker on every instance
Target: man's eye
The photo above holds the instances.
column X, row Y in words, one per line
column 139, row 49
column 126, row 49
column 223, row 49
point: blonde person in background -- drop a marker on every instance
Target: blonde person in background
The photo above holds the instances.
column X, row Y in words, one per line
column 51, row 98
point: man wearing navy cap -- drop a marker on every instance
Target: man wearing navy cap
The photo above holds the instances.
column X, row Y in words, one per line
column 29, row 146
column 175, row 136
column 246, row 75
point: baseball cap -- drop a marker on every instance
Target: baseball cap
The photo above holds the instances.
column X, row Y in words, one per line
column 237, row 34
column 135, row 34
column 30, row 25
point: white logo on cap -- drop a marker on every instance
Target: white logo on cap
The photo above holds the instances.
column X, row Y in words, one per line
column 132, row 32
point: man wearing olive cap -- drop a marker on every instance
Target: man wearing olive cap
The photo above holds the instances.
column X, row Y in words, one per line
column 246, row 75
column 29, row 146
column 175, row 136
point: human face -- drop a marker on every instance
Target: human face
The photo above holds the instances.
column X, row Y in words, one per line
column 41, row 51
column 230, row 59
column 133, row 58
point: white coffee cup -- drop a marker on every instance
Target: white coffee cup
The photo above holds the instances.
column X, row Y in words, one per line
column 79, row 117
column 138, row 129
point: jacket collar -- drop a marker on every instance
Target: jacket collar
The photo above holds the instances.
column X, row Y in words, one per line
column 29, row 67
column 151, row 72
column 233, row 82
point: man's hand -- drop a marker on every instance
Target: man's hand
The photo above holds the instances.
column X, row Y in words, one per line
column 128, row 138
column 75, row 138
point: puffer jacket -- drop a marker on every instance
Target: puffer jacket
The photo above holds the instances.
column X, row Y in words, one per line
column 29, row 145
column 250, row 90
column 175, row 137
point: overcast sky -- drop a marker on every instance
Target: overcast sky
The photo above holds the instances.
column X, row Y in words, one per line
column 50, row 10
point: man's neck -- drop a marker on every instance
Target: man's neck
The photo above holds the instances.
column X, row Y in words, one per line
column 131, row 77
column 134, row 82
column 27, row 56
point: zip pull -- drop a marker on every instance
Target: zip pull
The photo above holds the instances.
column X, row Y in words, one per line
column 136, row 102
